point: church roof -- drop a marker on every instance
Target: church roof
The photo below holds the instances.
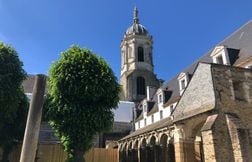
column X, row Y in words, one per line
column 136, row 28
column 152, row 127
column 239, row 48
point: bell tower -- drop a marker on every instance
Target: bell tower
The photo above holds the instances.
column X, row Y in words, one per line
column 136, row 62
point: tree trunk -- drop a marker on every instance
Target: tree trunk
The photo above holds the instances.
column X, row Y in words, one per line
column 78, row 155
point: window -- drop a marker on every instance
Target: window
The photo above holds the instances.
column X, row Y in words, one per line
column 152, row 118
column 239, row 93
column 140, row 54
column 161, row 114
column 160, row 98
column 145, row 108
column 171, row 108
column 140, row 86
column 183, row 81
column 139, row 124
column 183, row 84
column 219, row 59
column 220, row 55
column 145, row 122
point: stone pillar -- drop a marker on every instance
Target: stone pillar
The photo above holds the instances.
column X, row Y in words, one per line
column 139, row 154
column 179, row 151
column 31, row 135
column 208, row 146
column 184, row 150
column 198, row 151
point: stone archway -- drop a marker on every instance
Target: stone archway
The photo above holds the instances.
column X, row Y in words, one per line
column 151, row 150
column 130, row 152
column 123, row 153
column 143, row 151
column 163, row 148
column 135, row 152
column 171, row 151
column 198, row 144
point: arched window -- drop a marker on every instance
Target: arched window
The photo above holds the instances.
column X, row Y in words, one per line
column 140, row 54
column 140, row 86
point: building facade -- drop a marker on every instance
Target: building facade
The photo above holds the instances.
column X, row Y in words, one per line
column 204, row 114
column 136, row 62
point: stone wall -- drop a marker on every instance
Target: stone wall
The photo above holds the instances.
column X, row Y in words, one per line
column 199, row 96
column 233, row 89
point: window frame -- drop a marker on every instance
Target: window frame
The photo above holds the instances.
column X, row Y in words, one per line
column 141, row 86
column 140, row 54
column 161, row 114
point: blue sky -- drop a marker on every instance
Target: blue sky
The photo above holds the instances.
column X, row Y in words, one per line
column 182, row 30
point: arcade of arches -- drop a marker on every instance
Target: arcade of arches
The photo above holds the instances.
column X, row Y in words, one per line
column 199, row 139
column 148, row 150
column 166, row 144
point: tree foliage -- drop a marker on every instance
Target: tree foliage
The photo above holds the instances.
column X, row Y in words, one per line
column 83, row 90
column 13, row 102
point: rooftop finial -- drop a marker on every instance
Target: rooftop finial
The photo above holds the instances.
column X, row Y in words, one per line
column 136, row 20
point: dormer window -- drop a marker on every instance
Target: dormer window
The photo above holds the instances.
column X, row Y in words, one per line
column 183, row 84
column 152, row 118
column 219, row 59
column 161, row 114
column 220, row 55
column 160, row 98
column 171, row 108
column 183, row 81
column 140, row 54
column 145, row 108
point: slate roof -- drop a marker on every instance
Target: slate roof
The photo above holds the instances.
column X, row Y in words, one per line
column 160, row 124
column 121, row 127
column 239, row 48
column 238, row 43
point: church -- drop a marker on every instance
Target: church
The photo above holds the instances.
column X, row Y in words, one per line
column 203, row 114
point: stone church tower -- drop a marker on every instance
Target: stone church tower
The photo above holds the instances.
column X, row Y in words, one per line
column 137, row 63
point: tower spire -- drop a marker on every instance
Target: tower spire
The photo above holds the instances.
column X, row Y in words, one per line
column 136, row 20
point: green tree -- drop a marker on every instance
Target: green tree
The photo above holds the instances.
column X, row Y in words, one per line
column 14, row 104
column 83, row 91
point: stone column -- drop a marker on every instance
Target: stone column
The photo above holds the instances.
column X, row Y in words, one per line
column 184, row 150
column 31, row 135
column 179, row 151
